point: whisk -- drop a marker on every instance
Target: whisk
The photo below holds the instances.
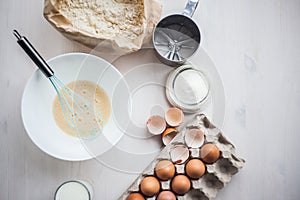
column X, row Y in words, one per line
column 80, row 114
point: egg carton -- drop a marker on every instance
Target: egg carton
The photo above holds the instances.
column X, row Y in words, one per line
column 217, row 175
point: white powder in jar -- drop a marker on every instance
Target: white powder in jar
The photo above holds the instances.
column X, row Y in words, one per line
column 190, row 87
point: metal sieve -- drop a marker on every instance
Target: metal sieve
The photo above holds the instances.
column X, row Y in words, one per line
column 177, row 37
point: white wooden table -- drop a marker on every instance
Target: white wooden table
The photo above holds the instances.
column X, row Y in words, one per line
column 255, row 45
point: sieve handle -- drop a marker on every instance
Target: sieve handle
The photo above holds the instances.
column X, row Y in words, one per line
column 34, row 55
column 190, row 8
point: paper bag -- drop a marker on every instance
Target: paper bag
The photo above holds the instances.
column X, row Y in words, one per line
column 110, row 44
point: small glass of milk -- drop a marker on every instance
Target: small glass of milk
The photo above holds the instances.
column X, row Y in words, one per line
column 74, row 190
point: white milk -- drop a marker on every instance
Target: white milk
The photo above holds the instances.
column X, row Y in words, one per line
column 74, row 190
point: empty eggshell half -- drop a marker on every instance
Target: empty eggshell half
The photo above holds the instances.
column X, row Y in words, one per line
column 174, row 116
column 179, row 154
column 194, row 138
column 168, row 135
column 156, row 124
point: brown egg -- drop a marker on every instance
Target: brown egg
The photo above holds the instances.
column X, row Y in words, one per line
column 135, row 196
column 150, row 186
column 166, row 195
column 168, row 135
column 210, row 153
column 165, row 170
column 195, row 168
column 181, row 184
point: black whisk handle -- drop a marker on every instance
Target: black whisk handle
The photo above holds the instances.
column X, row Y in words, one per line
column 34, row 55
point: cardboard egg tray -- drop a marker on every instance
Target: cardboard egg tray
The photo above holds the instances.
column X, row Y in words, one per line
column 217, row 175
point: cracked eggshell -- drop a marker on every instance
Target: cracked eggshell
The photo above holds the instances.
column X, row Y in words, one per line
column 169, row 135
column 194, row 138
column 156, row 124
column 174, row 117
column 179, row 154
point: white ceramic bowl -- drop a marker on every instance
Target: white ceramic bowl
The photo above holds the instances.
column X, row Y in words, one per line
column 38, row 98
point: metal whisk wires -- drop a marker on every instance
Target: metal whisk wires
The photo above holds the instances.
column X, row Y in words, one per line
column 80, row 114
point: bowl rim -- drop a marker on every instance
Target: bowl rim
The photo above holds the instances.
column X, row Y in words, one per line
column 43, row 149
